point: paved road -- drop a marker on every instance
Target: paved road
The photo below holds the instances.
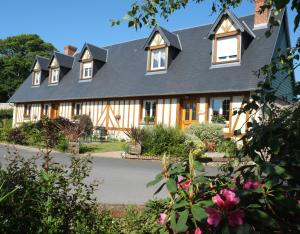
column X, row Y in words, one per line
column 122, row 181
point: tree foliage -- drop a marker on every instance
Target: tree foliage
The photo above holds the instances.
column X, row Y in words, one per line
column 16, row 57
column 146, row 12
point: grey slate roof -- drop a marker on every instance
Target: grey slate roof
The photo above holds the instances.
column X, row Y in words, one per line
column 42, row 61
column 63, row 60
column 170, row 38
column 97, row 53
column 124, row 74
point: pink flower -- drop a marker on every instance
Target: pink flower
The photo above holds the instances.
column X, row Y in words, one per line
column 185, row 185
column 255, row 184
column 198, row 231
column 235, row 218
column 162, row 218
column 214, row 217
column 230, row 198
column 248, row 184
column 219, row 201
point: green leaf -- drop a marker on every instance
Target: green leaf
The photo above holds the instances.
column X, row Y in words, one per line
column 198, row 213
column 171, row 185
column 180, row 204
column 157, row 179
column 279, row 170
column 180, row 225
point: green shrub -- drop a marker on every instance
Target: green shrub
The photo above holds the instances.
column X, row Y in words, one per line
column 53, row 201
column 159, row 140
column 6, row 113
column 228, row 147
column 210, row 134
column 63, row 143
column 138, row 220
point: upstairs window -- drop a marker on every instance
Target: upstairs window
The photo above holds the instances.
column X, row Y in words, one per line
column 54, row 76
column 226, row 49
column 36, row 78
column 149, row 111
column 158, row 59
column 87, row 70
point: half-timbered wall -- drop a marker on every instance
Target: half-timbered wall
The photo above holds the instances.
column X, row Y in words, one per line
column 126, row 113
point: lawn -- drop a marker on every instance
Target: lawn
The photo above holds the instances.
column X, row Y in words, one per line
column 102, row 147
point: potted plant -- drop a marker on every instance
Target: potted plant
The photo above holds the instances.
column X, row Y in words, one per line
column 149, row 120
column 135, row 145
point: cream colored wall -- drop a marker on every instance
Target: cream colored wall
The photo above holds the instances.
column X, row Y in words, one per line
column 202, row 109
column 157, row 40
column 65, row 110
column 86, row 54
column 226, row 26
column 236, row 106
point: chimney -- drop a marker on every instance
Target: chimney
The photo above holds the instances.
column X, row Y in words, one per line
column 69, row 50
column 261, row 19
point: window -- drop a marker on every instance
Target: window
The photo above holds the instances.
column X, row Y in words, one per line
column 87, row 70
column 221, row 106
column 46, row 110
column 158, row 59
column 149, row 111
column 27, row 110
column 36, row 78
column 78, row 107
column 54, row 76
column 226, row 49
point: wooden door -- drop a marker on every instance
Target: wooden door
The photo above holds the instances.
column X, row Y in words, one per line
column 54, row 111
column 188, row 113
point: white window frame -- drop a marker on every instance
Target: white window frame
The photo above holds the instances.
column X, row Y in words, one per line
column 37, row 78
column 221, row 99
column 161, row 52
column 227, row 58
column 152, row 113
column 87, row 67
column 54, row 76
column 75, row 108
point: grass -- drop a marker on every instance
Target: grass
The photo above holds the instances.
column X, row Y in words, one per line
column 102, row 147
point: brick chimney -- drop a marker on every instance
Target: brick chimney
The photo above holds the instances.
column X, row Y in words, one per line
column 69, row 50
column 260, row 19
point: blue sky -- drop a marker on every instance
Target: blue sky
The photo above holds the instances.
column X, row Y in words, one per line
column 75, row 22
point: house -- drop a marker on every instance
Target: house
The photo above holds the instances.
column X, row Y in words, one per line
column 170, row 78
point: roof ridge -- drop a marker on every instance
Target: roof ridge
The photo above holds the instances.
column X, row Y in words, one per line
column 174, row 32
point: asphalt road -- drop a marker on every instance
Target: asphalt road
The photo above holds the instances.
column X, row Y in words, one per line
column 121, row 181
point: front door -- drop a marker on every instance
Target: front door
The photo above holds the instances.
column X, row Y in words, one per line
column 54, row 111
column 189, row 113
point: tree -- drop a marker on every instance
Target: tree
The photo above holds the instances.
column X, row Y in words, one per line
column 16, row 56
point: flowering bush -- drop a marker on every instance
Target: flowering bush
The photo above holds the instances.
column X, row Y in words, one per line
column 199, row 204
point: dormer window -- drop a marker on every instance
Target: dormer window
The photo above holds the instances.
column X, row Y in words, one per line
column 158, row 59
column 226, row 49
column 162, row 48
column 36, row 78
column 87, row 70
column 54, row 76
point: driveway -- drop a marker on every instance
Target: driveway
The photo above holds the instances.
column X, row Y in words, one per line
column 122, row 181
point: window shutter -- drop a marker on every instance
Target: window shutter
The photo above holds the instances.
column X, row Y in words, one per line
column 227, row 46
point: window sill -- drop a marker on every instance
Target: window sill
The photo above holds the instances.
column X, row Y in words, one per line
column 85, row 80
column 35, row 86
column 53, row 84
column 156, row 72
column 222, row 65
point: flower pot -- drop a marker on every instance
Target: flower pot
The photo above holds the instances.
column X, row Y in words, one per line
column 135, row 148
